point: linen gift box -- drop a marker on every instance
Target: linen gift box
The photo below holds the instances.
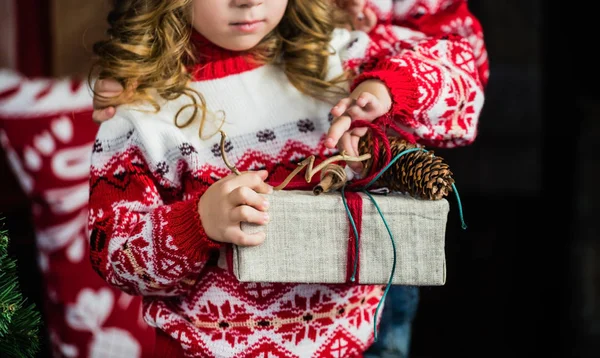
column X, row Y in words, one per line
column 310, row 239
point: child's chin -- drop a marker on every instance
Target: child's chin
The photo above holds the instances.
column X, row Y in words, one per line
column 243, row 43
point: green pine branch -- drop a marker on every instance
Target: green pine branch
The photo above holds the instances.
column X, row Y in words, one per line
column 19, row 321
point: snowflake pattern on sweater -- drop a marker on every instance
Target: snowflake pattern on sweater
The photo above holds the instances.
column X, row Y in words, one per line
column 147, row 176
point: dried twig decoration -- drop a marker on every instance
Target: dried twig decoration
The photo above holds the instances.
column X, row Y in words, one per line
column 224, row 156
column 311, row 170
column 328, row 167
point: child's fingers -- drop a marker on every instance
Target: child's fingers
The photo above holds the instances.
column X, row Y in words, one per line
column 236, row 236
column 370, row 18
column 101, row 115
column 254, row 180
column 246, row 196
column 251, row 178
column 110, row 92
column 104, row 91
column 104, row 99
column 341, row 106
column 108, row 85
column 338, row 128
column 356, row 112
column 248, row 214
column 349, row 144
column 354, row 142
column 365, row 20
column 368, row 107
column 345, row 145
column 359, row 132
column 365, row 98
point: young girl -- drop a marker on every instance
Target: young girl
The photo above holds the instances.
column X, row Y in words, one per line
column 266, row 72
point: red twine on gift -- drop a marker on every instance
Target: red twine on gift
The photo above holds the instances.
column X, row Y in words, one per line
column 354, row 205
column 353, row 201
column 379, row 136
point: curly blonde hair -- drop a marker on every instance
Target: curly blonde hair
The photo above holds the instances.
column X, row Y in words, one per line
column 149, row 49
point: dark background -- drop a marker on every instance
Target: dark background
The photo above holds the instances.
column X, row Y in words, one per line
column 524, row 278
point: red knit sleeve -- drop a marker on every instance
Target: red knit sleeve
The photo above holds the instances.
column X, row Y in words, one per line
column 146, row 236
column 434, row 77
column 444, row 17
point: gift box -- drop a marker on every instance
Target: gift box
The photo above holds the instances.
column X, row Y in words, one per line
column 310, row 239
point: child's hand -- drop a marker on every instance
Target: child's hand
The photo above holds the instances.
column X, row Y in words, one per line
column 232, row 200
column 369, row 101
column 362, row 16
column 104, row 103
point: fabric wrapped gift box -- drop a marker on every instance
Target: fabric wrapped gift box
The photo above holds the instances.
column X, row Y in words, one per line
column 310, row 239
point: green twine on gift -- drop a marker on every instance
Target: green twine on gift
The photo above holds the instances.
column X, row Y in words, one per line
column 353, row 277
column 356, row 241
column 389, row 284
column 460, row 211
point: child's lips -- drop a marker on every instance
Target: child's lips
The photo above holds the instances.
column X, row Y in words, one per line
column 247, row 26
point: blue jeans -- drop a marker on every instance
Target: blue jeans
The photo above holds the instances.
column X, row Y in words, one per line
column 394, row 335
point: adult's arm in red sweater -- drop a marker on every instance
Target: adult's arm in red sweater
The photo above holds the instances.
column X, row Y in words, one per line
column 432, row 57
column 435, row 17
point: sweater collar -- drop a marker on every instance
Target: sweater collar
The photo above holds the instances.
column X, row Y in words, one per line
column 213, row 62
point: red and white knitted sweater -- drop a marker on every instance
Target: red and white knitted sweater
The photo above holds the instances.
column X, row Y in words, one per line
column 147, row 176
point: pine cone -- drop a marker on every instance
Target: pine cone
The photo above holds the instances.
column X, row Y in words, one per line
column 418, row 173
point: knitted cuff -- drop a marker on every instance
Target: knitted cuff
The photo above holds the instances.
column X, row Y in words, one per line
column 187, row 230
column 402, row 86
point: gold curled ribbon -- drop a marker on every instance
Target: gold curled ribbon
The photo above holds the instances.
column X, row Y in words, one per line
column 308, row 162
